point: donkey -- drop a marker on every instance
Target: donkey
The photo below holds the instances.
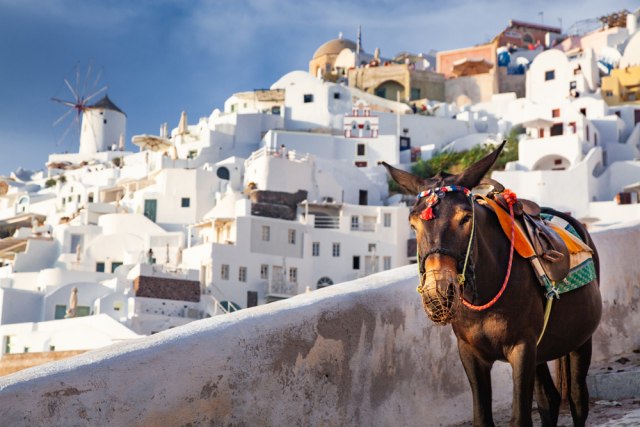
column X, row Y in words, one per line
column 466, row 261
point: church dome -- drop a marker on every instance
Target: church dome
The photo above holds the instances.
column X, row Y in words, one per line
column 334, row 47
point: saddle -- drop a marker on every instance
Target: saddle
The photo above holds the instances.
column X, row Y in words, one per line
column 550, row 250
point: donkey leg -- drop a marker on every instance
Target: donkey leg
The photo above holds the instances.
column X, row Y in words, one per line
column 522, row 358
column 579, row 362
column 547, row 396
column 479, row 375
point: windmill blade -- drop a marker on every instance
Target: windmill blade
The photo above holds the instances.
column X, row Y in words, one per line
column 78, row 76
column 67, row 103
column 75, row 95
column 62, row 117
column 85, row 89
column 70, row 126
column 94, row 94
column 95, row 82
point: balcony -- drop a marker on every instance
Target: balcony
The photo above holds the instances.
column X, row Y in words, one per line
column 326, row 222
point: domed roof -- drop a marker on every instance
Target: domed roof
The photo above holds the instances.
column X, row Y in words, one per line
column 334, row 47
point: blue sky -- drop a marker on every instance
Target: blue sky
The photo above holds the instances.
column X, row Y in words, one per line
column 161, row 57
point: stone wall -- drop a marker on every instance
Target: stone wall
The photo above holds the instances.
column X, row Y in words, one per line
column 163, row 288
column 358, row 353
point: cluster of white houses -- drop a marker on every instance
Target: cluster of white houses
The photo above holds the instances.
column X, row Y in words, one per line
column 281, row 193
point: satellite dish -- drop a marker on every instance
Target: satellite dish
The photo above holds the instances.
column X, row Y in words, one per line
column 4, row 188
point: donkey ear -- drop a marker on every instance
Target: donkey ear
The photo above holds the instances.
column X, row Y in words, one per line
column 410, row 182
column 474, row 173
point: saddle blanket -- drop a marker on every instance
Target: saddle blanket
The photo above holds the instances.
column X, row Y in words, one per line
column 583, row 270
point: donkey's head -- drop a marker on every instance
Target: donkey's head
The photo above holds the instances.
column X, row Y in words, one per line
column 443, row 220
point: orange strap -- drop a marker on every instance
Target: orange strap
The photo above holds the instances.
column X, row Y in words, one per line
column 574, row 244
column 522, row 245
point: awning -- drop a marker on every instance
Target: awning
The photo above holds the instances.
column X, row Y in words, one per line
column 151, row 143
column 471, row 66
column 538, row 123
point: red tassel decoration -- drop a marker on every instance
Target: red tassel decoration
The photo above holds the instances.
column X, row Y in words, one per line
column 509, row 197
column 427, row 214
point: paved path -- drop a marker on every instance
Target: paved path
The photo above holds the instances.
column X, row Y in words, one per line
column 614, row 386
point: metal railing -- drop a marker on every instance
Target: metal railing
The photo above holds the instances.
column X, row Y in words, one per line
column 284, row 288
column 363, row 227
column 326, row 222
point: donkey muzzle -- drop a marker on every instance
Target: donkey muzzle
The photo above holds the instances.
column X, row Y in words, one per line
column 440, row 291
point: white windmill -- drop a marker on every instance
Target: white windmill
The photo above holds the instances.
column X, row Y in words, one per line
column 102, row 124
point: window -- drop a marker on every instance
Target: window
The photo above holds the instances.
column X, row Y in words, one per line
column 556, row 129
column 386, row 263
column 185, row 202
column 275, row 110
column 335, row 250
column 78, row 198
column 324, row 281
column 336, row 95
column 90, row 198
column 100, row 267
column 573, row 85
column 363, row 197
column 114, row 265
column 76, row 240
column 583, row 111
column 242, row 274
column 293, row 274
column 372, row 247
column 223, row 173
column 224, row 271
column 264, row 271
column 617, row 113
column 405, row 143
column 292, row 237
column 572, row 125
column 361, row 164
column 266, row 233
column 587, row 131
column 555, row 112
column 360, row 150
column 252, row 299
column 60, row 312
column 308, row 97
column 355, row 222
column 386, row 220
column 356, row 263
column 415, row 93
column 550, row 75
column 315, row 249
column 557, row 162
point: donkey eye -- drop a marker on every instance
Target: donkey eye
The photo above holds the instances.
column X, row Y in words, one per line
column 465, row 219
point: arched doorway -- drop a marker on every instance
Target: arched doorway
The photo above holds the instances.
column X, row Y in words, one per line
column 389, row 90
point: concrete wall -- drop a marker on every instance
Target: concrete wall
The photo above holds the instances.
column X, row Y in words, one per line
column 359, row 353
